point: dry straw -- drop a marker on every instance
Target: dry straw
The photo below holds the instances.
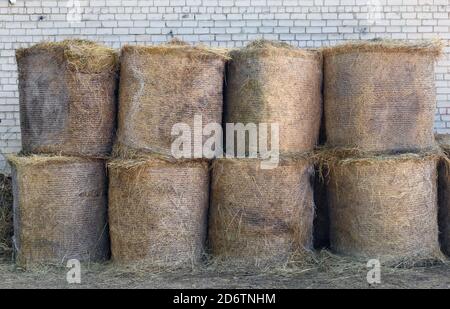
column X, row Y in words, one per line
column 444, row 194
column 165, row 85
column 380, row 95
column 67, row 97
column 158, row 212
column 384, row 207
column 60, row 210
column 260, row 218
column 271, row 82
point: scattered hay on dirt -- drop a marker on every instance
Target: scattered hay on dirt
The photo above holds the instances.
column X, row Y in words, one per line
column 158, row 212
column 384, row 208
column 271, row 82
column 6, row 222
column 165, row 85
column 380, row 96
column 60, row 210
column 68, row 98
column 261, row 218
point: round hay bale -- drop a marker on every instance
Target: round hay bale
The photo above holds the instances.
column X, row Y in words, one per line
column 67, row 98
column 260, row 218
column 158, row 212
column 380, row 96
column 269, row 82
column 161, row 86
column 384, row 207
column 60, row 210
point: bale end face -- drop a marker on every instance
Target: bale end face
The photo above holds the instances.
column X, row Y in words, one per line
column 260, row 218
column 59, row 210
column 164, row 221
column 67, row 98
column 193, row 76
column 380, row 87
column 384, row 208
column 270, row 83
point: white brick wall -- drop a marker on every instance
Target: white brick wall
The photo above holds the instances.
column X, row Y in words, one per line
column 227, row 23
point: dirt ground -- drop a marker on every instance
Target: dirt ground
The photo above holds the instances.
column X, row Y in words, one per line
column 330, row 272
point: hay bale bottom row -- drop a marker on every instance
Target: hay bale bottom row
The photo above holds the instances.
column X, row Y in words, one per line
column 261, row 217
column 158, row 212
column 60, row 210
column 384, row 208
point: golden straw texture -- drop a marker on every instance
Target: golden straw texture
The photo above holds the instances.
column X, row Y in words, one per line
column 158, row 212
column 60, row 208
column 260, row 218
column 270, row 82
column 384, row 208
column 67, row 96
column 165, row 85
column 380, row 99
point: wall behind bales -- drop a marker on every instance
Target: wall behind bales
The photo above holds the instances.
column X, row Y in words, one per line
column 228, row 23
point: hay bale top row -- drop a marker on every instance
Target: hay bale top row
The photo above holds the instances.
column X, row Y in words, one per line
column 432, row 48
column 90, row 57
column 81, row 55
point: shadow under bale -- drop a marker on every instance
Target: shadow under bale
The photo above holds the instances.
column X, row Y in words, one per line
column 6, row 214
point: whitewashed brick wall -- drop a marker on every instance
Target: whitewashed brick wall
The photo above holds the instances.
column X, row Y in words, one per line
column 227, row 23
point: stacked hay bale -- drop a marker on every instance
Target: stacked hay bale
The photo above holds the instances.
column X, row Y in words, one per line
column 379, row 110
column 67, row 98
column 60, row 209
column 158, row 211
column 158, row 204
column 264, row 217
column 67, row 109
column 261, row 218
column 165, row 85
